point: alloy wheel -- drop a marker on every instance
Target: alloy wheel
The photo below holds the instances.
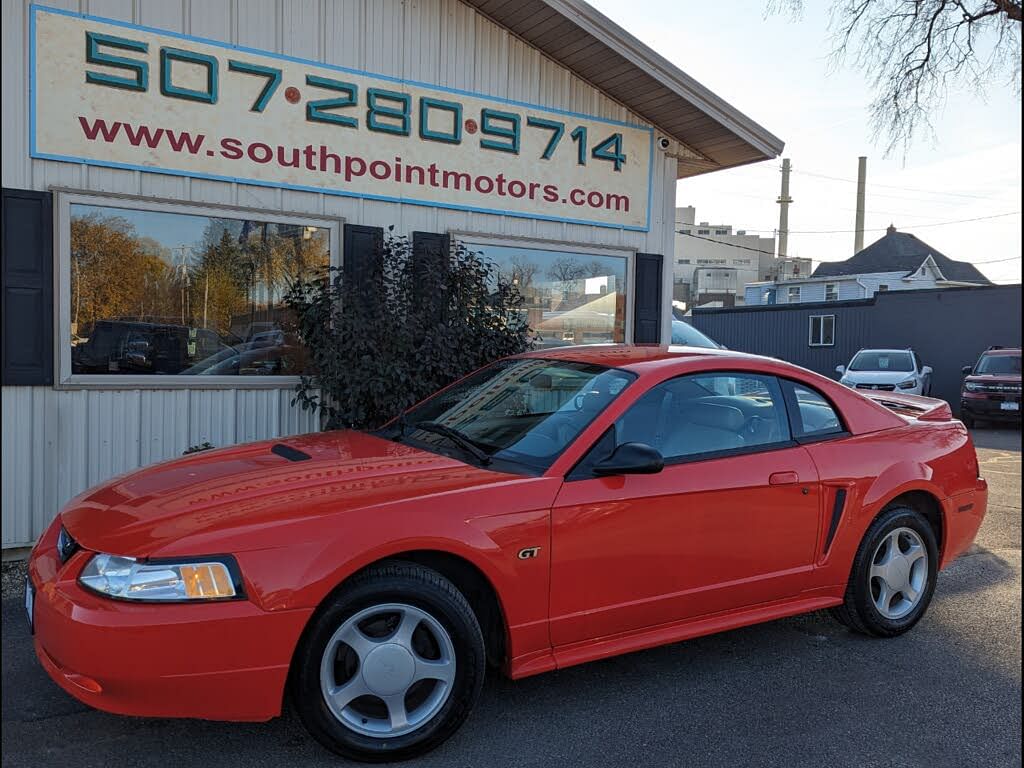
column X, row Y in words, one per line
column 899, row 573
column 387, row 670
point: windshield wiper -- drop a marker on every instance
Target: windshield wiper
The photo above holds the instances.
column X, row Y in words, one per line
column 456, row 437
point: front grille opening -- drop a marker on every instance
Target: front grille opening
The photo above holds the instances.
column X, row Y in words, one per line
column 66, row 546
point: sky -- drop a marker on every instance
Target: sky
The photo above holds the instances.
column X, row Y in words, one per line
column 775, row 70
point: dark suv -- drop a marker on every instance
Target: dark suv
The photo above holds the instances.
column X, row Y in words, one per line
column 991, row 388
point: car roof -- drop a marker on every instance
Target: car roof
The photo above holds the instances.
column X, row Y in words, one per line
column 905, row 349
column 1003, row 351
column 636, row 356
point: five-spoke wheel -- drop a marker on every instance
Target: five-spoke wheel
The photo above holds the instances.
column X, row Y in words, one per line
column 899, row 572
column 388, row 669
column 391, row 665
column 893, row 574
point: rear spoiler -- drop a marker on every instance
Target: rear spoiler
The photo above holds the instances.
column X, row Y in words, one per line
column 914, row 406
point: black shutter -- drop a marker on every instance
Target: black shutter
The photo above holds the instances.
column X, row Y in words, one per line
column 429, row 253
column 647, row 299
column 27, row 290
column 362, row 251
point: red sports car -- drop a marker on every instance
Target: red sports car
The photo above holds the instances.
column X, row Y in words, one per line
column 549, row 509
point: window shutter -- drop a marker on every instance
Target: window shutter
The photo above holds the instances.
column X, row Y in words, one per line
column 647, row 299
column 27, row 290
column 429, row 252
column 362, row 251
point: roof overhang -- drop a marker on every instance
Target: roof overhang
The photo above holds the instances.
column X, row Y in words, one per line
column 712, row 134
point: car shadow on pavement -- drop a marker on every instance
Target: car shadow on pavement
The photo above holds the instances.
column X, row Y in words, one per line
column 997, row 439
column 800, row 691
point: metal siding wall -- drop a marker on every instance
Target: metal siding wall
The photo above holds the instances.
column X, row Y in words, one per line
column 57, row 443
column 948, row 329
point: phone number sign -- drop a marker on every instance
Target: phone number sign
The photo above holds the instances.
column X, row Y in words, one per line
column 114, row 94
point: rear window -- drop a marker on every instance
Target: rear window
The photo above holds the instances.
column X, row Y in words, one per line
column 883, row 361
column 998, row 364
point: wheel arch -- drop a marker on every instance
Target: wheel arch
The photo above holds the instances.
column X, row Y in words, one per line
column 468, row 576
column 923, row 500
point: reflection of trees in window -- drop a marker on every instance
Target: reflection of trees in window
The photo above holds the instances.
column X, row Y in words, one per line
column 239, row 268
column 115, row 273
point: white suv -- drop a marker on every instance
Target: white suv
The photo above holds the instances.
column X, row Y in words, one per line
column 898, row 370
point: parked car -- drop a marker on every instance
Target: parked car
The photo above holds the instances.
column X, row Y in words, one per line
column 685, row 334
column 550, row 509
column 887, row 370
column 991, row 387
column 134, row 346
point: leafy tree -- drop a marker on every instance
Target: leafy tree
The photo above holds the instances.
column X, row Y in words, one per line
column 383, row 342
column 915, row 51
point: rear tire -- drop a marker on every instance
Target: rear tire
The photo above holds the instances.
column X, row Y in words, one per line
column 390, row 666
column 893, row 576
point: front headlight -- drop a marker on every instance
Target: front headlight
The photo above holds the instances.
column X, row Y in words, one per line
column 908, row 384
column 970, row 386
column 126, row 578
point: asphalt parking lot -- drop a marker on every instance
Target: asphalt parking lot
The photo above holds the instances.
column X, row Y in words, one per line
column 801, row 691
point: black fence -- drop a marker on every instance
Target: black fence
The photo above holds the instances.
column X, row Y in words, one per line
column 949, row 328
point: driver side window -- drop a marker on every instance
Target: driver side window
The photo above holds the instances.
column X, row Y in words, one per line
column 708, row 413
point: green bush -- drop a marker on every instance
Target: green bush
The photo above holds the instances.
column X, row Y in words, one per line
column 381, row 343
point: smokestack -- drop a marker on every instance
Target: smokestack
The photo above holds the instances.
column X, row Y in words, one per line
column 784, row 201
column 862, row 175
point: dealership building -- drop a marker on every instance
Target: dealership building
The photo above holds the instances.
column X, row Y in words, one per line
column 170, row 168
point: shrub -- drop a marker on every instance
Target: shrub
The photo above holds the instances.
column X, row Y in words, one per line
column 383, row 341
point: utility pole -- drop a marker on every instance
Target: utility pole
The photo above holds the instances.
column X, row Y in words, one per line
column 862, row 176
column 784, row 201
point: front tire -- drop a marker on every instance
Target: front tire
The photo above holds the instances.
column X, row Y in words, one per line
column 391, row 666
column 893, row 576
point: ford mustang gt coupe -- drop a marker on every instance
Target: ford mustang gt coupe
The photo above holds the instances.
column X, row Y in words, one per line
column 549, row 509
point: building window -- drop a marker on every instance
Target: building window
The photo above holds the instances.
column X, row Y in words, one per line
column 822, row 331
column 703, row 231
column 570, row 297
column 721, row 231
column 156, row 290
column 882, row 288
column 831, row 292
column 683, row 261
column 793, row 294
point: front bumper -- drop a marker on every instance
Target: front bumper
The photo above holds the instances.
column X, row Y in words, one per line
column 216, row 661
column 989, row 407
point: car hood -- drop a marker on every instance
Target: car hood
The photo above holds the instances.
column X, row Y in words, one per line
column 259, row 485
column 994, row 378
column 878, row 377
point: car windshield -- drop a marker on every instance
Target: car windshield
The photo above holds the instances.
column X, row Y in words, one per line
column 684, row 333
column 998, row 364
column 522, row 413
column 882, row 361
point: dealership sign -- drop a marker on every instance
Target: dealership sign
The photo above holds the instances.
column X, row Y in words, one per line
column 115, row 94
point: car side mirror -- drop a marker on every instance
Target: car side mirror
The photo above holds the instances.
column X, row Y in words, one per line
column 927, row 370
column 631, row 459
column 840, row 369
column 966, row 370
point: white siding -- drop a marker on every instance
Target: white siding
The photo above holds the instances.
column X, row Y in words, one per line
column 56, row 443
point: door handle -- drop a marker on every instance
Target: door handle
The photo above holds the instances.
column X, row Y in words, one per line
column 783, row 478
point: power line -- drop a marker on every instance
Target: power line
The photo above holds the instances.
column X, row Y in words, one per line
column 880, row 229
column 758, row 250
column 884, row 186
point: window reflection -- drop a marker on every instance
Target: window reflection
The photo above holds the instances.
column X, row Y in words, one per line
column 569, row 298
column 164, row 293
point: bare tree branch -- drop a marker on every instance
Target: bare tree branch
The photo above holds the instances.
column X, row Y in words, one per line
column 914, row 52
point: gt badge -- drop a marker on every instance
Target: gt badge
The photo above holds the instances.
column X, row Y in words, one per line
column 526, row 554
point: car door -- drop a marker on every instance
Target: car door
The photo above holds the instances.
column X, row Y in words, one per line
column 732, row 519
